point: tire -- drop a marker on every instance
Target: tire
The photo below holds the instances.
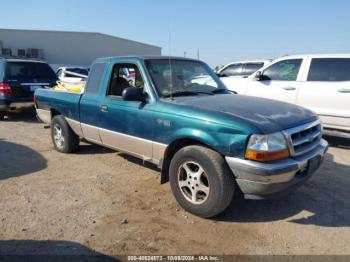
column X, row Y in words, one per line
column 2, row 116
column 63, row 137
column 214, row 187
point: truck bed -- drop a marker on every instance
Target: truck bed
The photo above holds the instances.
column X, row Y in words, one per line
column 65, row 103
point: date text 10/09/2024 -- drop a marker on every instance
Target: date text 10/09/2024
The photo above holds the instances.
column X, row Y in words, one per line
column 173, row 258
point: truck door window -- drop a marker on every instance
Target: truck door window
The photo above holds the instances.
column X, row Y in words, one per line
column 95, row 78
column 124, row 76
column 286, row 70
column 232, row 70
column 329, row 69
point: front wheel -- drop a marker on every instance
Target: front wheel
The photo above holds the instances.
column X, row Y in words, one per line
column 63, row 137
column 201, row 181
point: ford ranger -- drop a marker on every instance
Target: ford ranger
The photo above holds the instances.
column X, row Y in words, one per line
column 207, row 141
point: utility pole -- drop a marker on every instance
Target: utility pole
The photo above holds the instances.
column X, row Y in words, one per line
column 198, row 53
column 185, row 53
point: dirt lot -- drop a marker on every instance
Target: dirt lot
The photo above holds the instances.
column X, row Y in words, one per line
column 98, row 200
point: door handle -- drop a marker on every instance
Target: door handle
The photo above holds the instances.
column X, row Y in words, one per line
column 344, row 90
column 104, row 108
column 289, row 88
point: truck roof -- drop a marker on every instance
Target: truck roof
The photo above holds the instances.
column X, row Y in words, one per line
column 144, row 57
column 251, row 61
column 317, row 55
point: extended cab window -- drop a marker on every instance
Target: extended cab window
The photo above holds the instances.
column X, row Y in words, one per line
column 232, row 70
column 124, row 76
column 286, row 70
column 95, row 78
column 329, row 69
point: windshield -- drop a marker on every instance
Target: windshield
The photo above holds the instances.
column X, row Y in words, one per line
column 186, row 78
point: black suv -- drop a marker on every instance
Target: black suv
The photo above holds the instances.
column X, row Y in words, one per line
column 18, row 81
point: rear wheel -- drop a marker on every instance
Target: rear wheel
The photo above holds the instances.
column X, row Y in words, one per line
column 201, row 181
column 63, row 137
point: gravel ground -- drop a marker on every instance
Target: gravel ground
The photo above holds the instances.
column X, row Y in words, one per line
column 105, row 202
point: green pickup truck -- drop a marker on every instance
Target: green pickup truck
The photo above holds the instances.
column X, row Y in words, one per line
column 177, row 114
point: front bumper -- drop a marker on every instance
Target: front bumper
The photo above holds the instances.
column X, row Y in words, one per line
column 265, row 180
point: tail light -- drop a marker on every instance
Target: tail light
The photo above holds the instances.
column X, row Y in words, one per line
column 5, row 88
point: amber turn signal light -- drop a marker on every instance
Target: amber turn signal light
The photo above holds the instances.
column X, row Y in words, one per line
column 263, row 156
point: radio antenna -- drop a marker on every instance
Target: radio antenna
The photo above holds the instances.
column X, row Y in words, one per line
column 169, row 56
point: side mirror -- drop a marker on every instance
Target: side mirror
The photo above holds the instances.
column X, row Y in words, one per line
column 134, row 94
column 258, row 76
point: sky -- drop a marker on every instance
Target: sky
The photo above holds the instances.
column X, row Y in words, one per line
column 222, row 30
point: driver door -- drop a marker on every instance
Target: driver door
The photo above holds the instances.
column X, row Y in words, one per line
column 126, row 125
column 279, row 81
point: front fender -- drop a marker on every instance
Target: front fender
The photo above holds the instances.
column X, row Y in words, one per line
column 221, row 140
column 196, row 134
column 224, row 142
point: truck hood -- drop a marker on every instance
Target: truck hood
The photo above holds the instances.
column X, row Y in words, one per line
column 265, row 115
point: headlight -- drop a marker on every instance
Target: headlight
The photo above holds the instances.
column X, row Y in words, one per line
column 267, row 147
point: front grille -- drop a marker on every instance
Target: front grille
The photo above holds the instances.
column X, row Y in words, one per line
column 305, row 138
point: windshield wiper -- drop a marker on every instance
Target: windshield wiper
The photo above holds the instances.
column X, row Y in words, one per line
column 222, row 90
column 186, row 93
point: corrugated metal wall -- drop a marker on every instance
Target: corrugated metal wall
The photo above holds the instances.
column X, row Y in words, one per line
column 73, row 48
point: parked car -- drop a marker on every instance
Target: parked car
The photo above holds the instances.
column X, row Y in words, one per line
column 320, row 82
column 18, row 81
column 204, row 139
column 235, row 74
column 72, row 74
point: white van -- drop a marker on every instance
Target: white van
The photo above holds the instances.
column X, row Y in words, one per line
column 320, row 82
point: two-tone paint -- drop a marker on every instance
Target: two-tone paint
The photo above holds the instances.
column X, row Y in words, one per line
column 150, row 129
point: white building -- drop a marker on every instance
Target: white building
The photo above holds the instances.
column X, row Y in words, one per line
column 69, row 48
